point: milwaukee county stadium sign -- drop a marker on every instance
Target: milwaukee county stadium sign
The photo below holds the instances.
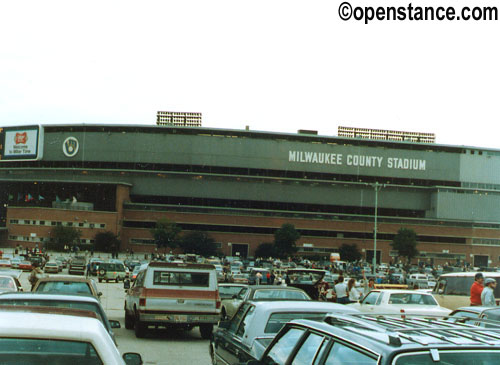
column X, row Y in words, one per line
column 356, row 160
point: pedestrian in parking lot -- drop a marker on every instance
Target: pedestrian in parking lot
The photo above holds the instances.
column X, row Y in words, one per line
column 354, row 293
column 272, row 277
column 341, row 291
column 476, row 290
column 488, row 295
column 36, row 274
column 258, row 278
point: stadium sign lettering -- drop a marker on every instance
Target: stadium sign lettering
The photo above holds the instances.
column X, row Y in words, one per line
column 356, row 160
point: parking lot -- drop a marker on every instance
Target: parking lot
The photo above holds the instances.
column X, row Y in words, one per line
column 160, row 346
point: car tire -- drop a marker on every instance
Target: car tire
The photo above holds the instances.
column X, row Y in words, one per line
column 102, row 272
column 129, row 321
column 206, row 331
column 100, row 280
column 139, row 328
column 117, row 280
column 223, row 314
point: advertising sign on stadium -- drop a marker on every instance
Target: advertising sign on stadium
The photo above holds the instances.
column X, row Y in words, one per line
column 21, row 143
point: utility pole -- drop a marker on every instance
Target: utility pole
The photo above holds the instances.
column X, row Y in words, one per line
column 377, row 187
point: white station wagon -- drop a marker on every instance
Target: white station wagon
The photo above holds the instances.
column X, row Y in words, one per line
column 400, row 302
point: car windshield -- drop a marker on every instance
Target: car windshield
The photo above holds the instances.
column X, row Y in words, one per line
column 412, row 298
column 279, row 294
column 14, row 351
column 229, row 291
column 462, row 357
column 7, row 283
column 64, row 287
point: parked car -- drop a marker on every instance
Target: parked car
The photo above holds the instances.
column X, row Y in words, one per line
column 57, row 336
column 63, row 260
column 262, row 292
column 67, row 285
column 14, row 262
column 241, row 278
column 306, row 279
column 230, row 290
column 177, row 295
column 400, row 301
column 25, row 265
column 9, row 282
column 452, row 290
column 83, row 302
column 247, row 334
column 377, row 340
column 420, row 281
column 491, row 314
column 77, row 265
column 111, row 271
column 51, row 267
column 5, row 264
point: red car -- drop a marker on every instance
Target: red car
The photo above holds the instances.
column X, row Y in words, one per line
column 25, row 266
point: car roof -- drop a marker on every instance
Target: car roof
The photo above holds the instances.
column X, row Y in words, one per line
column 298, row 305
column 233, row 284
column 79, row 279
column 26, row 324
column 399, row 291
column 383, row 335
column 472, row 273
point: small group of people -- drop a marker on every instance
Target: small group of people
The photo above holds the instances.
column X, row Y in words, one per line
column 482, row 291
column 343, row 293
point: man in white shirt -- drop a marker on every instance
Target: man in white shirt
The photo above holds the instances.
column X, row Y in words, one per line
column 341, row 291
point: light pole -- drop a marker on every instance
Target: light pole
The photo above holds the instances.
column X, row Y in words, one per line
column 377, row 187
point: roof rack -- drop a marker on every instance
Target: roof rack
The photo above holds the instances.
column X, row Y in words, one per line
column 423, row 330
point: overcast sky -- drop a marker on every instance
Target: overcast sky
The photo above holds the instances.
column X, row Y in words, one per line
column 272, row 65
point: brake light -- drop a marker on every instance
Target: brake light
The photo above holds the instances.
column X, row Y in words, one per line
column 403, row 316
column 142, row 302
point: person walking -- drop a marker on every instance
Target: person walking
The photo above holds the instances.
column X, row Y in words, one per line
column 488, row 295
column 368, row 285
column 36, row 274
column 258, row 278
column 476, row 290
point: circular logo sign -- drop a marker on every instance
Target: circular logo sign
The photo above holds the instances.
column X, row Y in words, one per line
column 70, row 146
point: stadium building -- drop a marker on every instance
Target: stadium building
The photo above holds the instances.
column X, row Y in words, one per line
column 241, row 185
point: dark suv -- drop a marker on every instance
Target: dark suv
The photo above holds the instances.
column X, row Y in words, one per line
column 371, row 340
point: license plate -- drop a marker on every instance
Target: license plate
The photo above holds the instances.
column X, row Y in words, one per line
column 180, row 318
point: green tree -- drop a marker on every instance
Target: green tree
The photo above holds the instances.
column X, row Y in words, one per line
column 61, row 236
column 284, row 240
column 199, row 243
column 265, row 250
column 349, row 252
column 405, row 243
column 106, row 242
column 166, row 234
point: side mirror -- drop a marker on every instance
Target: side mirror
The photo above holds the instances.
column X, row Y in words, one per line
column 132, row 358
column 99, row 294
column 114, row 323
column 126, row 284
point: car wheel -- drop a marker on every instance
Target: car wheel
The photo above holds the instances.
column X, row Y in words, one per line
column 223, row 314
column 129, row 321
column 139, row 327
column 117, row 280
column 206, row 331
column 100, row 280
